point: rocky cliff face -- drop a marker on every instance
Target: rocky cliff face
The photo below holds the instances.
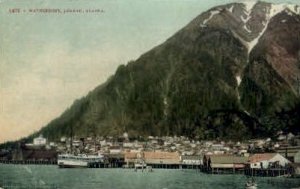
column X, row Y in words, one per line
column 229, row 73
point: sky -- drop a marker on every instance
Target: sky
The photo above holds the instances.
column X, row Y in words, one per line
column 47, row 60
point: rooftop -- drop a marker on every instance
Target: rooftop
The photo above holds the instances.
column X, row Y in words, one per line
column 261, row 157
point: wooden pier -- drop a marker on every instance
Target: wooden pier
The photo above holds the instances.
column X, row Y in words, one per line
column 272, row 172
column 165, row 166
column 224, row 171
column 104, row 165
column 27, row 162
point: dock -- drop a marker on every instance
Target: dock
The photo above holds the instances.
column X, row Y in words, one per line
column 28, row 162
column 103, row 165
column 272, row 172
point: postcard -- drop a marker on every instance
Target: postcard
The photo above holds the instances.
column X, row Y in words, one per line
column 156, row 94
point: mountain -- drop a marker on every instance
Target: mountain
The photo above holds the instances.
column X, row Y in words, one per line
column 232, row 72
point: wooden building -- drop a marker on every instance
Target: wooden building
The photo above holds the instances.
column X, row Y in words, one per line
column 130, row 158
column 268, row 164
column 192, row 160
column 156, row 159
column 224, row 163
column 159, row 159
column 267, row 160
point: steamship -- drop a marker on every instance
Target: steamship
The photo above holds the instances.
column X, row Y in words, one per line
column 80, row 160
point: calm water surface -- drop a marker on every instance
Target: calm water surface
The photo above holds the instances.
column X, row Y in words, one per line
column 48, row 176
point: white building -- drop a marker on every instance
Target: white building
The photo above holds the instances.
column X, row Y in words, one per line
column 52, row 144
column 217, row 147
column 40, row 141
column 125, row 135
column 267, row 160
column 191, row 160
column 63, row 139
column 128, row 145
column 115, row 151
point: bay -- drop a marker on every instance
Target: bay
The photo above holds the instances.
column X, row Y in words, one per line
column 50, row 176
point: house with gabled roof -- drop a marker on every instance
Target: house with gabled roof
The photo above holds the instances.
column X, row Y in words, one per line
column 159, row 157
column 267, row 160
column 224, row 163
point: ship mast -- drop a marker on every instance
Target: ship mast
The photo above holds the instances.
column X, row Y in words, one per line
column 71, row 142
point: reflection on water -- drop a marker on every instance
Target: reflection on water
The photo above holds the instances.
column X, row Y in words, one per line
column 51, row 177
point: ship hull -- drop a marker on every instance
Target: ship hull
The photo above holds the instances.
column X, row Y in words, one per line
column 72, row 164
column 77, row 161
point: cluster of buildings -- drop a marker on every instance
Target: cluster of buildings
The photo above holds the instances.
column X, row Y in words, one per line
column 259, row 156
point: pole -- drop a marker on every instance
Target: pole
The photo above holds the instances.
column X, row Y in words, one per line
column 71, row 145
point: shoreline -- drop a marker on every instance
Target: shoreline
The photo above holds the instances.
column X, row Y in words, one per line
column 267, row 173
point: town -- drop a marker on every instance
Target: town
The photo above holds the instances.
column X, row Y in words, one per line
column 257, row 157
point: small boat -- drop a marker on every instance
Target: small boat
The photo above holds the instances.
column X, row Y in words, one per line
column 251, row 184
column 143, row 167
column 149, row 168
column 80, row 160
column 140, row 166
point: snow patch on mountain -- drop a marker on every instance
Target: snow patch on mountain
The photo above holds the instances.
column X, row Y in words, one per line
column 247, row 112
column 248, row 5
column 212, row 14
column 270, row 10
column 289, row 13
column 273, row 11
column 243, row 41
column 245, row 20
column 289, row 8
column 246, row 28
column 238, row 80
column 294, row 8
column 165, row 102
column 231, row 9
column 254, row 42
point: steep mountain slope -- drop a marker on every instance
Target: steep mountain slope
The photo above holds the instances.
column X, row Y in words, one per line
column 229, row 73
column 274, row 66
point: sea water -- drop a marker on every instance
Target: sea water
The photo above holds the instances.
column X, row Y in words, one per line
column 52, row 177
